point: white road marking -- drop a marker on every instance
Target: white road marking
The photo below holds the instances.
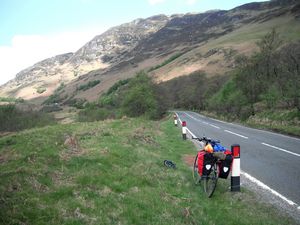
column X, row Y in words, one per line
column 192, row 117
column 202, row 121
column 178, row 118
column 214, row 126
column 228, row 131
column 280, row 149
column 266, row 187
column 193, row 135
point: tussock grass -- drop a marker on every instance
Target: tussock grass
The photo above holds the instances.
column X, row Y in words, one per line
column 113, row 174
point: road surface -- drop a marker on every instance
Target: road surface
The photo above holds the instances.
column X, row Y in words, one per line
column 273, row 159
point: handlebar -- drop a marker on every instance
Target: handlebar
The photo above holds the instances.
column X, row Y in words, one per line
column 206, row 140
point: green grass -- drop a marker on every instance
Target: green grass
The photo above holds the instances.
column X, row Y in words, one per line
column 287, row 27
column 113, row 174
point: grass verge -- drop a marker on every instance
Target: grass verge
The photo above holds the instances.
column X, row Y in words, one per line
column 112, row 172
column 280, row 121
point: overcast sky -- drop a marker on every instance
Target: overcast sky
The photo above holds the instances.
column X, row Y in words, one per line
column 33, row 30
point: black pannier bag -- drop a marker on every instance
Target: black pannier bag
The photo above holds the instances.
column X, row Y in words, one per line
column 205, row 163
column 225, row 167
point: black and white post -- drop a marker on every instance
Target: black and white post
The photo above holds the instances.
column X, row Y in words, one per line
column 175, row 120
column 183, row 124
column 236, row 168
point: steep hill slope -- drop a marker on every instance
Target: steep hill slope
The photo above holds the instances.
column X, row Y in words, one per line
column 167, row 47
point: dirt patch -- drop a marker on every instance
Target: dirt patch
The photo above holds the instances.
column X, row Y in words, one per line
column 37, row 186
column 72, row 143
column 140, row 135
column 105, row 191
column 73, row 148
column 2, row 134
column 189, row 159
column 3, row 159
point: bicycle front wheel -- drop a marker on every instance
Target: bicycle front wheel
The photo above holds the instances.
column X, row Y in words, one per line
column 196, row 175
column 210, row 181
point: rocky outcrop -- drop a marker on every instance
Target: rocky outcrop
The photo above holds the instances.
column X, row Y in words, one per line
column 46, row 67
column 117, row 41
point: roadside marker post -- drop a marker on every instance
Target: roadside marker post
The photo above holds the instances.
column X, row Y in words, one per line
column 236, row 168
column 183, row 124
column 175, row 120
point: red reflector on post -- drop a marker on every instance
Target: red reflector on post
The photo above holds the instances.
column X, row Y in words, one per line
column 235, row 149
column 184, row 123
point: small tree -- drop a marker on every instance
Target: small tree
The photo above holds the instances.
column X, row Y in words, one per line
column 289, row 67
column 268, row 46
column 140, row 98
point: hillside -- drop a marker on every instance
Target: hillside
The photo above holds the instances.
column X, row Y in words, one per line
column 166, row 46
column 112, row 172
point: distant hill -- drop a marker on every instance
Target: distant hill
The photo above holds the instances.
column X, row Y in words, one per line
column 165, row 46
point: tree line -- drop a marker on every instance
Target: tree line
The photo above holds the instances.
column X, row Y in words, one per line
column 269, row 79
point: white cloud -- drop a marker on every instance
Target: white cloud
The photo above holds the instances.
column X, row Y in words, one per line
column 155, row 2
column 27, row 50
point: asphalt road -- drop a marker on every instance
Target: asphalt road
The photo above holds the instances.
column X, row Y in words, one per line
column 273, row 159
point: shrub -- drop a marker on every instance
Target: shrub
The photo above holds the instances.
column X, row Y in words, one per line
column 141, row 99
column 13, row 119
column 55, row 97
column 89, row 85
column 51, row 108
column 91, row 114
column 172, row 58
column 41, row 90
column 271, row 97
column 10, row 99
column 76, row 102
column 52, row 99
column 116, row 86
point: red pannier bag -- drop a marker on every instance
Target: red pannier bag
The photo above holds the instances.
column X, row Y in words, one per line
column 225, row 165
column 205, row 163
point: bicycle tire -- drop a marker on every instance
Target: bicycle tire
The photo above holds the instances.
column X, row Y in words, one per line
column 196, row 175
column 210, row 181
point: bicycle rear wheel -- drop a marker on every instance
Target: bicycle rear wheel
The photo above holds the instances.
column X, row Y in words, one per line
column 196, row 175
column 210, row 181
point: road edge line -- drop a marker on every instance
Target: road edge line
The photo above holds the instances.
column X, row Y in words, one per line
column 266, row 187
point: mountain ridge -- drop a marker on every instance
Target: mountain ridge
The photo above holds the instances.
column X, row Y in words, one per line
column 143, row 43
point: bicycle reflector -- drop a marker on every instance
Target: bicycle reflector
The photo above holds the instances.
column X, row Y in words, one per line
column 184, row 123
column 235, row 149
